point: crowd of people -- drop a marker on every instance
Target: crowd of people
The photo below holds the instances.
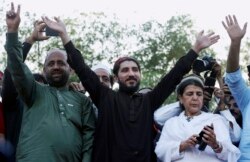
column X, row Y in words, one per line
column 44, row 118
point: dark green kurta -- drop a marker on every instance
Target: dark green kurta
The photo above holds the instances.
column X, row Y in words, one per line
column 58, row 124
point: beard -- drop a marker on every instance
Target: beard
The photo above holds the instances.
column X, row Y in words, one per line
column 128, row 89
column 57, row 82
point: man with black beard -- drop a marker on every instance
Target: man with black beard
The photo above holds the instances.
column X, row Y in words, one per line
column 125, row 118
column 58, row 124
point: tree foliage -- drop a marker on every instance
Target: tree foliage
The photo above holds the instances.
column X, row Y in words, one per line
column 101, row 38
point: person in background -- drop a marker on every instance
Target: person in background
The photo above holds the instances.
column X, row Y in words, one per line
column 6, row 149
column 236, row 83
column 58, row 124
column 224, row 108
column 181, row 138
column 226, row 111
column 103, row 73
column 105, row 77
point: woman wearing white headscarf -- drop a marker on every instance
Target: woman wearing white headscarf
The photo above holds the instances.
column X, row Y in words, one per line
column 180, row 140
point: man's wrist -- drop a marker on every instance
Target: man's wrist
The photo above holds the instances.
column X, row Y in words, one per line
column 30, row 40
column 12, row 30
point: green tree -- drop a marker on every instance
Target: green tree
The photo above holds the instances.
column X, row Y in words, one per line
column 101, row 38
column 160, row 45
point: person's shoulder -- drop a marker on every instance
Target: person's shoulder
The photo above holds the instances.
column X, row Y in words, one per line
column 172, row 119
column 214, row 117
column 78, row 94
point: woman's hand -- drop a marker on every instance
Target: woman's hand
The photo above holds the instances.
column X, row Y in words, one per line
column 190, row 142
column 210, row 138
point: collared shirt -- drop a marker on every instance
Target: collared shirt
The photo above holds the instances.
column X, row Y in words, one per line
column 241, row 94
column 58, row 124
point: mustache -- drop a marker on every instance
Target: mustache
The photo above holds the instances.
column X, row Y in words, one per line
column 57, row 72
column 131, row 78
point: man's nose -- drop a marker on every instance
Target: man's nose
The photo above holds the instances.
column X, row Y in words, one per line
column 131, row 72
column 195, row 96
column 56, row 66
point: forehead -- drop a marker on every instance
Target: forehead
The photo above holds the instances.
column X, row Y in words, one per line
column 101, row 72
column 56, row 55
column 128, row 64
column 193, row 88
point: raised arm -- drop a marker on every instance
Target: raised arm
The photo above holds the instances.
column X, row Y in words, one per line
column 236, row 34
column 167, row 85
column 21, row 75
column 9, row 92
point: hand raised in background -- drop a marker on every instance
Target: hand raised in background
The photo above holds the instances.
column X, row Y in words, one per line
column 58, row 26
column 233, row 29
column 38, row 32
column 203, row 41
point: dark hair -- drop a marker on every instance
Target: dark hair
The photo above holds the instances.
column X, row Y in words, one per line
column 189, row 80
column 121, row 60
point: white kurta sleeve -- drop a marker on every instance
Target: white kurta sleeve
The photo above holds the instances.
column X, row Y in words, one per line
column 167, row 148
column 166, row 112
column 235, row 132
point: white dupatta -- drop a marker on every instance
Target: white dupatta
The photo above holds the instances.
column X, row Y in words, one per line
column 178, row 129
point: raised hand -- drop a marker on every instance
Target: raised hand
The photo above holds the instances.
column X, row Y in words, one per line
column 233, row 29
column 57, row 25
column 204, row 41
column 13, row 19
column 218, row 93
column 38, row 32
column 217, row 69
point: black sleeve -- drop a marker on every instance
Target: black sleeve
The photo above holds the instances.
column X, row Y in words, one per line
column 169, row 82
column 89, row 79
column 26, row 48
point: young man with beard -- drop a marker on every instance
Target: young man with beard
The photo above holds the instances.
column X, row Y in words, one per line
column 125, row 118
column 58, row 124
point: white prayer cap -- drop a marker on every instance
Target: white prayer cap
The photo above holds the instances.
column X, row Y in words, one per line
column 101, row 66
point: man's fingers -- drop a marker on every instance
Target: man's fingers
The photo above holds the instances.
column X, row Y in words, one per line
column 18, row 9
column 235, row 20
column 12, row 7
column 225, row 26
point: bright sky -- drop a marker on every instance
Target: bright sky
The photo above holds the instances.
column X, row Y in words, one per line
column 205, row 14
